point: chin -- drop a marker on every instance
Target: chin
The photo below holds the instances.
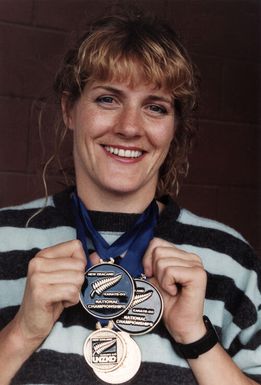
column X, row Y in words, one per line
column 123, row 191
column 122, row 188
column 128, row 186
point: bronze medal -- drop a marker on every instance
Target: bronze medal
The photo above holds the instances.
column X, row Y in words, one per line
column 144, row 312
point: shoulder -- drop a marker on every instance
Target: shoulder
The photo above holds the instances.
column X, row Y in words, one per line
column 35, row 213
column 209, row 227
column 218, row 244
column 34, row 204
column 189, row 227
column 18, row 215
column 186, row 217
column 36, row 224
column 213, row 240
column 173, row 214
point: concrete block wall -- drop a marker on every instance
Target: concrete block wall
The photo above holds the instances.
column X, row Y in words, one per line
column 223, row 38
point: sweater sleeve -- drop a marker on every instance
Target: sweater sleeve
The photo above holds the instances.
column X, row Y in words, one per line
column 241, row 335
column 233, row 295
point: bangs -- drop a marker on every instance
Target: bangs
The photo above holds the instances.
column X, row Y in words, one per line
column 132, row 71
column 123, row 61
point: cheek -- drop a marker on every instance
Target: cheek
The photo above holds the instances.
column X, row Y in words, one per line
column 163, row 137
column 89, row 125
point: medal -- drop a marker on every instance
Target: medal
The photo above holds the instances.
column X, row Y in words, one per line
column 108, row 291
column 104, row 349
column 144, row 312
column 128, row 367
column 108, row 294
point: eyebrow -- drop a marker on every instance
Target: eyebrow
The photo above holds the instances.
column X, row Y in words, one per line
column 161, row 98
column 152, row 97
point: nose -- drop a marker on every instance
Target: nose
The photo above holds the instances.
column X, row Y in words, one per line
column 129, row 123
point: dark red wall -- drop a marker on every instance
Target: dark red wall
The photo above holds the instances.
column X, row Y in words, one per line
column 224, row 40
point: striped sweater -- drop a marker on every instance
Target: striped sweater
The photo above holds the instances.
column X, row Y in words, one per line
column 233, row 296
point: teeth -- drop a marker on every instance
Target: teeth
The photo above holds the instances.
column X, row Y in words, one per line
column 123, row 153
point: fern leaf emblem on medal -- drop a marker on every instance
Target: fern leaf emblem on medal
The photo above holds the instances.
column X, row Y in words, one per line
column 108, row 291
column 103, row 284
column 145, row 310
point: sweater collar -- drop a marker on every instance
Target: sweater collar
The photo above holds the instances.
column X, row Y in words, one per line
column 62, row 202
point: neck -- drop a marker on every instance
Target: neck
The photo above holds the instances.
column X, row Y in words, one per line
column 107, row 201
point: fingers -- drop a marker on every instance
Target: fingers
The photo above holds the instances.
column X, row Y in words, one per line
column 71, row 249
column 47, row 265
column 64, row 256
column 94, row 258
column 54, row 280
column 151, row 252
column 160, row 250
column 173, row 267
column 57, row 274
column 189, row 277
column 58, row 277
column 68, row 294
column 181, row 279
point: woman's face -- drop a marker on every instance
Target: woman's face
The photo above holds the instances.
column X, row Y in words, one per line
column 122, row 135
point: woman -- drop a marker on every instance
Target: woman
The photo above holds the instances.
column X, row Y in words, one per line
column 127, row 92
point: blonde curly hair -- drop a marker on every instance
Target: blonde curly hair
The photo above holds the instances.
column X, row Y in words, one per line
column 112, row 49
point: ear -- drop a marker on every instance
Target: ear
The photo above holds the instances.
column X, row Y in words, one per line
column 67, row 106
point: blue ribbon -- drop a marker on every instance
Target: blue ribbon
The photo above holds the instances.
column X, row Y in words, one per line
column 134, row 242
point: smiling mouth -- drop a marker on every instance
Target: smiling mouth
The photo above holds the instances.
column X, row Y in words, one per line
column 124, row 153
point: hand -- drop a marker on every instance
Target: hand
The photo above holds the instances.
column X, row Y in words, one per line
column 181, row 279
column 55, row 276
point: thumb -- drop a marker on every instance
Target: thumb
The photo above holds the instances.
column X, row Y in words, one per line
column 94, row 258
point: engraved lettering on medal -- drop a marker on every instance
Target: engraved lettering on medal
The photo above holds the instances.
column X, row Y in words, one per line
column 101, row 274
column 104, row 350
column 103, row 284
column 134, row 320
column 144, row 312
column 114, row 294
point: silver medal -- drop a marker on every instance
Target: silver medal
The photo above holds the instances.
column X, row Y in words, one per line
column 129, row 366
column 144, row 312
column 104, row 349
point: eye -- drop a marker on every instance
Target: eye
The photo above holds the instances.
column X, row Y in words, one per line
column 105, row 99
column 157, row 109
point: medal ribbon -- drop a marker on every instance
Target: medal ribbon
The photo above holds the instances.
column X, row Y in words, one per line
column 135, row 241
